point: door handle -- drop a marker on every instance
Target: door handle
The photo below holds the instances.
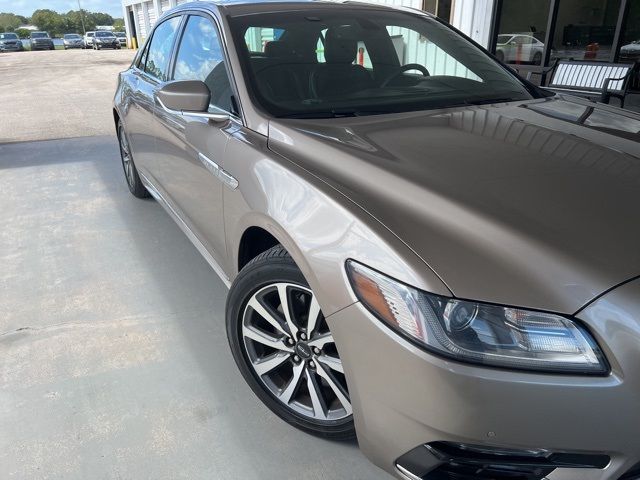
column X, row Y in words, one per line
column 225, row 177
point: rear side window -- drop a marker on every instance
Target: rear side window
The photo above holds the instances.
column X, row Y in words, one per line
column 200, row 57
column 159, row 54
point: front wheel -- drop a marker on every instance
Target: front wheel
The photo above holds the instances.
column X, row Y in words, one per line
column 537, row 58
column 130, row 171
column 284, row 349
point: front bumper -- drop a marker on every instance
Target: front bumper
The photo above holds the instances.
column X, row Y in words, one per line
column 108, row 44
column 8, row 47
column 404, row 397
column 42, row 45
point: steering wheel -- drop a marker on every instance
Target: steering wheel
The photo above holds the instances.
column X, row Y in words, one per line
column 404, row 68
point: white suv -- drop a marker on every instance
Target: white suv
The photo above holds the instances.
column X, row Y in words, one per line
column 88, row 39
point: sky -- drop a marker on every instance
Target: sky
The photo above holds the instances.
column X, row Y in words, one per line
column 26, row 7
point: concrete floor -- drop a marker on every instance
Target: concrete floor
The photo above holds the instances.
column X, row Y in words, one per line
column 115, row 362
column 59, row 93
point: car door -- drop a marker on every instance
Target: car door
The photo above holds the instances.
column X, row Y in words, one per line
column 191, row 149
column 143, row 80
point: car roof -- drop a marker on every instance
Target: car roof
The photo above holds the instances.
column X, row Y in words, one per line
column 240, row 7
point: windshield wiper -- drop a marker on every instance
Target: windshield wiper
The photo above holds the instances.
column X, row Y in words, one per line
column 486, row 101
column 335, row 113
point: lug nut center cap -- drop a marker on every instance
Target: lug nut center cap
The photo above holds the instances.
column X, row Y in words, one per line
column 303, row 350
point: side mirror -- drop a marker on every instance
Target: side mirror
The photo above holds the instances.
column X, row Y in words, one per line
column 188, row 98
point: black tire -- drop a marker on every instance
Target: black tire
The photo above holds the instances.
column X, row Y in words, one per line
column 272, row 267
column 132, row 178
column 537, row 58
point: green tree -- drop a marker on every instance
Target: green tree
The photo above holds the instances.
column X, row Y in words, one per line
column 49, row 21
column 9, row 22
column 118, row 24
column 23, row 32
column 101, row 18
column 74, row 20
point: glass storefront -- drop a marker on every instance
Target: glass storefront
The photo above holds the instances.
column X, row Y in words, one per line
column 630, row 49
column 521, row 31
column 533, row 34
column 585, row 30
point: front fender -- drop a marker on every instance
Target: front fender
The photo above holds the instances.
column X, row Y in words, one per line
column 319, row 227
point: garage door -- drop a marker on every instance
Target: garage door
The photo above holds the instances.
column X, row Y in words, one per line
column 152, row 14
column 166, row 5
column 141, row 23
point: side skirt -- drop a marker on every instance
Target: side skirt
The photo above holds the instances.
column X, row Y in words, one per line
column 185, row 228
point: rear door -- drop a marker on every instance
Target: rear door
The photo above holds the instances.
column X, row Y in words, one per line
column 191, row 150
column 149, row 74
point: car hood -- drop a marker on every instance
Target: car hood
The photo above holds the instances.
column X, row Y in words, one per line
column 533, row 204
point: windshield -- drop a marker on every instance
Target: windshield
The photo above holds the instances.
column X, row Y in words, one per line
column 39, row 35
column 504, row 38
column 345, row 62
column 104, row 34
column 8, row 36
column 72, row 36
column 120, row 34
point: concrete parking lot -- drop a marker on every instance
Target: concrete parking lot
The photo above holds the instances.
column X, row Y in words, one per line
column 58, row 94
column 115, row 363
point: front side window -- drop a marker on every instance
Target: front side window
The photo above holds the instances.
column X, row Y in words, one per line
column 351, row 61
column 200, row 57
column 159, row 53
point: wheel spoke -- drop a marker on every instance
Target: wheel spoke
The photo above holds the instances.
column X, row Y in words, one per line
column 331, row 362
column 314, row 313
column 321, row 340
column 315, row 392
column 342, row 398
column 260, row 310
column 292, row 386
column 284, row 300
column 265, row 339
column 268, row 364
column 276, row 350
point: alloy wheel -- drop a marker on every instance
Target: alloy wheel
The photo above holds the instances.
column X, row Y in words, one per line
column 127, row 162
column 292, row 352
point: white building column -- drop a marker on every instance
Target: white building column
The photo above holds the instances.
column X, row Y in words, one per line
column 473, row 17
column 157, row 4
column 136, row 22
column 127, row 24
column 173, row 3
column 145, row 16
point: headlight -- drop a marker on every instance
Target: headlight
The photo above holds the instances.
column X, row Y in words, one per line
column 478, row 332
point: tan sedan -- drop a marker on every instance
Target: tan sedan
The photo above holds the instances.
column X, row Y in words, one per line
column 421, row 247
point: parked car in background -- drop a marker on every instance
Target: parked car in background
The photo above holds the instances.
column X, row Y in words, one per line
column 630, row 52
column 72, row 40
column 122, row 38
column 88, row 39
column 41, row 41
column 10, row 42
column 438, row 255
column 104, row 39
column 514, row 48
